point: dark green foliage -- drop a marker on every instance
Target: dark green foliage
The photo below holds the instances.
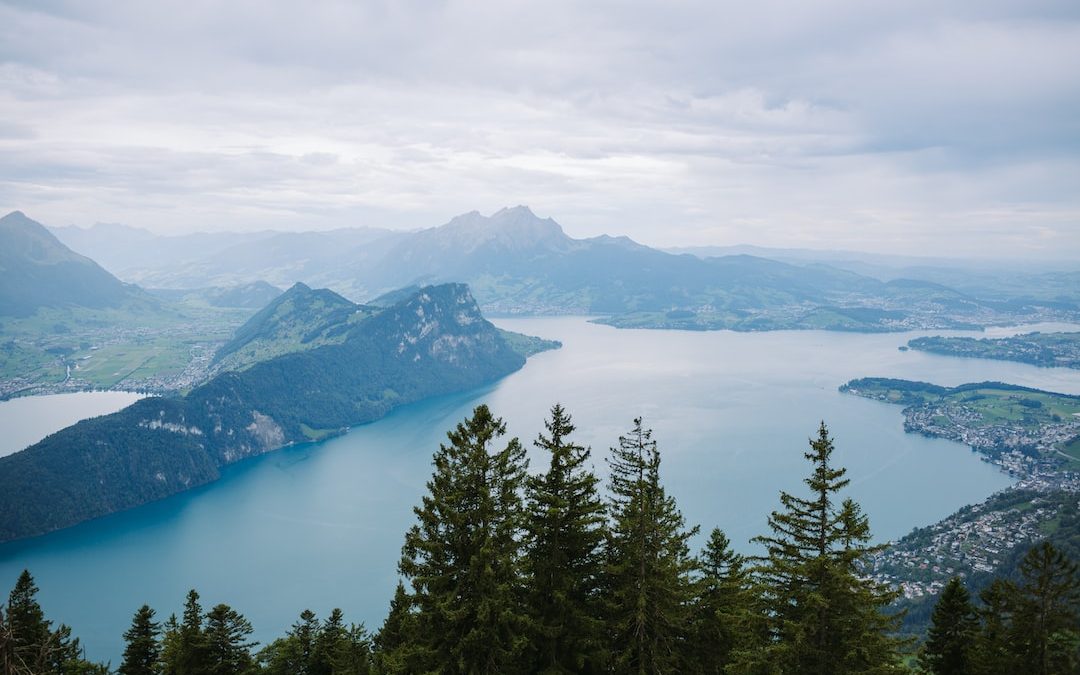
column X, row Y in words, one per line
column 29, row 646
column 341, row 650
column 1046, row 612
column 824, row 618
column 434, row 342
column 228, row 651
column 463, row 556
column 170, row 646
column 951, row 637
column 992, row 653
column 393, row 642
column 724, row 622
column 292, row 654
column 142, row 652
column 30, row 634
column 192, row 655
column 311, row 648
column 565, row 534
column 648, row 562
column 1033, row 625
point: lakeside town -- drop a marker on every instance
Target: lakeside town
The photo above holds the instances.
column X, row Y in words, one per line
column 1029, row 446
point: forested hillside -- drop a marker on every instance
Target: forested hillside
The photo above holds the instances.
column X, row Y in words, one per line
column 511, row 571
column 433, row 342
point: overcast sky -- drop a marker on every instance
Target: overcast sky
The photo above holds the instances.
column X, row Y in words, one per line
column 914, row 126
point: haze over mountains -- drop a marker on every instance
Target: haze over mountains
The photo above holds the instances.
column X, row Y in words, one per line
column 518, row 263
column 37, row 271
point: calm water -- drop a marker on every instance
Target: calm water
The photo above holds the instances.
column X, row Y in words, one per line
column 321, row 526
column 25, row 421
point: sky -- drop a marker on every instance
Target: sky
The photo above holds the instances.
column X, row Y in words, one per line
column 912, row 127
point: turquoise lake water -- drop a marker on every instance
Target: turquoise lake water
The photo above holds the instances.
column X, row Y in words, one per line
column 321, row 526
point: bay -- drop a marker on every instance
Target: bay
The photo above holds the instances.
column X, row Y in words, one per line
column 321, row 526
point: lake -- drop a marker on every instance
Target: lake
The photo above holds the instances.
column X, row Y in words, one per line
column 25, row 421
column 321, row 526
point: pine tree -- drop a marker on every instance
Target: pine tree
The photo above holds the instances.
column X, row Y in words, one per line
column 65, row 656
column 328, row 641
column 463, row 557
column 824, row 619
column 393, row 642
column 170, row 646
column 648, row 562
column 192, row 655
column 142, row 653
column 722, row 620
column 1046, row 612
column 30, row 635
column 950, row 639
column 293, row 654
column 992, row 652
column 565, row 529
column 341, row 650
column 228, row 651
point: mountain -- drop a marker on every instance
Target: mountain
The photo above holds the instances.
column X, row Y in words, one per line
column 433, row 342
column 518, row 263
column 39, row 271
column 297, row 320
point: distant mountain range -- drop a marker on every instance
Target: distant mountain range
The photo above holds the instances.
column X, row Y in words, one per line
column 282, row 390
column 518, row 263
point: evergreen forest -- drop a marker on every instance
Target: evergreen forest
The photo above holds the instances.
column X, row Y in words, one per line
column 508, row 570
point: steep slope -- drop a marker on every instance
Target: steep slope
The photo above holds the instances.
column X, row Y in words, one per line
column 433, row 342
column 297, row 320
column 38, row 271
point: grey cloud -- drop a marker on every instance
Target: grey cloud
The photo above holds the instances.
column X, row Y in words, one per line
column 861, row 124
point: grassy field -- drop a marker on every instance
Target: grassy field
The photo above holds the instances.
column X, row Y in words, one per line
column 999, row 406
column 106, row 348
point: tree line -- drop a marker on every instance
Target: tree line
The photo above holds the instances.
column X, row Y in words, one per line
column 506, row 571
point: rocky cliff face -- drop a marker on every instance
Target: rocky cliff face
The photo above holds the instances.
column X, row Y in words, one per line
column 432, row 342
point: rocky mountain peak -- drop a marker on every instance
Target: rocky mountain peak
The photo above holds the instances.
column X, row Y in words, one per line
column 513, row 229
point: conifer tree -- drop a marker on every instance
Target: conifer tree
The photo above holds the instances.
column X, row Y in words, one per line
column 293, row 654
column 142, row 652
column 824, row 619
column 950, row 639
column 648, row 562
column 170, row 646
column 463, row 557
column 228, row 651
column 1046, row 612
column 64, row 656
column 192, row 657
column 565, row 533
column 992, row 653
column 349, row 652
column 722, row 621
column 393, row 642
column 30, row 635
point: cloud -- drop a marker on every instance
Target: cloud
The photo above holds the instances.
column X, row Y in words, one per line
column 895, row 126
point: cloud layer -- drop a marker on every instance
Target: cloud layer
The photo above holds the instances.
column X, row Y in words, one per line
column 911, row 127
